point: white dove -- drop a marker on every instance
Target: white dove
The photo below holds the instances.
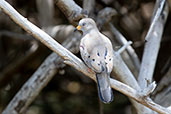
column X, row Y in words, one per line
column 97, row 52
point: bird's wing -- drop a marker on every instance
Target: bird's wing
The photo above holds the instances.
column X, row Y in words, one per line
column 108, row 58
column 97, row 52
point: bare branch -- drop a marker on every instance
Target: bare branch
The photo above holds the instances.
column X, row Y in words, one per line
column 138, row 96
column 122, row 40
column 60, row 32
column 152, row 45
column 125, row 75
column 147, row 91
column 71, row 10
column 46, row 12
column 104, row 16
column 89, row 6
column 124, row 47
column 157, row 14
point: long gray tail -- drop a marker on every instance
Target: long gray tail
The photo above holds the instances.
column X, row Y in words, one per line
column 104, row 89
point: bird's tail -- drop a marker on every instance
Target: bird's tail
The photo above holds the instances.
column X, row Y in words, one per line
column 104, row 89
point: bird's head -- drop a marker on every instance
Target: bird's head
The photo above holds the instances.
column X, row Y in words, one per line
column 86, row 25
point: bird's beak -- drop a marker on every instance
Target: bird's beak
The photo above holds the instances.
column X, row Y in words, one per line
column 77, row 28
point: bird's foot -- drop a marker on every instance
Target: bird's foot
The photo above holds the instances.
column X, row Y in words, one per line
column 90, row 70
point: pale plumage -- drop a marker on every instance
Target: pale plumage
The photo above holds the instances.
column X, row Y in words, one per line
column 97, row 52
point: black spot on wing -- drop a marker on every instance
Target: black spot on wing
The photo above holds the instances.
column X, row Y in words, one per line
column 98, row 53
column 93, row 59
column 105, row 53
column 103, row 68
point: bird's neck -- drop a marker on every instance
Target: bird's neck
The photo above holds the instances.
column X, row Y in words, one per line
column 91, row 31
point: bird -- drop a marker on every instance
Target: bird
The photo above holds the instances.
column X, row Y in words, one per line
column 97, row 53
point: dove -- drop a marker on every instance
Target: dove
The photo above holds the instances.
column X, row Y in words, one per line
column 97, row 53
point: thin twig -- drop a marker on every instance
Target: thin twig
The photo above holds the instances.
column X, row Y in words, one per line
column 124, row 47
column 122, row 40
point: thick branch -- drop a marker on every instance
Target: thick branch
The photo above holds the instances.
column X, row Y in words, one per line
column 46, row 12
column 104, row 16
column 72, row 59
column 71, row 10
column 89, row 6
column 152, row 45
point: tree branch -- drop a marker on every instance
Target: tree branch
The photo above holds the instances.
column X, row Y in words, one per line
column 72, row 60
column 152, row 45
column 124, row 47
column 71, row 10
column 104, row 16
column 89, row 6
column 122, row 40
column 46, row 12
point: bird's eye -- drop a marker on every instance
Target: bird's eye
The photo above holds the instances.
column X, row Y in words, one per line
column 84, row 24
